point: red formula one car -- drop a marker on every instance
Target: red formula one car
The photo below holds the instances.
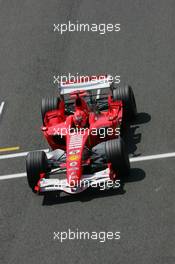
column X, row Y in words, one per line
column 83, row 128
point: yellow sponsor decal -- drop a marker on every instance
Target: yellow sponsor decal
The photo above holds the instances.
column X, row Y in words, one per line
column 73, row 157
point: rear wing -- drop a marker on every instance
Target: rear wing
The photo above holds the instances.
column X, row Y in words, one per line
column 93, row 83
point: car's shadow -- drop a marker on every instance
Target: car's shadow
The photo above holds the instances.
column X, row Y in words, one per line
column 136, row 174
column 131, row 136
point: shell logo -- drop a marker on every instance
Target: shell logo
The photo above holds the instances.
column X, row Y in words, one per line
column 73, row 157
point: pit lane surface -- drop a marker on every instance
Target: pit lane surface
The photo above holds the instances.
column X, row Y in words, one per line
column 143, row 54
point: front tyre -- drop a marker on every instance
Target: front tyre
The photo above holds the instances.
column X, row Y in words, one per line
column 117, row 155
column 36, row 163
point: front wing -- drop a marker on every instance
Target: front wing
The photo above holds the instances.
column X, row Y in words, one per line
column 88, row 180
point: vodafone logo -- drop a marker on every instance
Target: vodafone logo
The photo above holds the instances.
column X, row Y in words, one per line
column 73, row 164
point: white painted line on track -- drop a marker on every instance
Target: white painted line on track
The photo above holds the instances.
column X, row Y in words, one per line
column 18, row 155
column 152, row 157
column 143, row 158
column 2, row 107
column 98, row 94
column 13, row 176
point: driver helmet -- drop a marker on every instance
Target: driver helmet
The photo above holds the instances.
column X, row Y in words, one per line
column 80, row 118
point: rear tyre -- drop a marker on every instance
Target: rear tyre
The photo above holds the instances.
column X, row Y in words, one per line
column 36, row 163
column 127, row 96
column 117, row 155
column 49, row 104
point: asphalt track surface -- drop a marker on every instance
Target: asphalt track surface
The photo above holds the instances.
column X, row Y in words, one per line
column 143, row 54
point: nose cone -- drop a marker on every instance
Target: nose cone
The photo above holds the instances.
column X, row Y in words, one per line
column 73, row 158
column 75, row 143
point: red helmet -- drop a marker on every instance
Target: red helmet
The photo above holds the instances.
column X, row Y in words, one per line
column 80, row 118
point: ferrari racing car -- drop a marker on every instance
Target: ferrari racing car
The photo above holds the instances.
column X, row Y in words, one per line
column 83, row 126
